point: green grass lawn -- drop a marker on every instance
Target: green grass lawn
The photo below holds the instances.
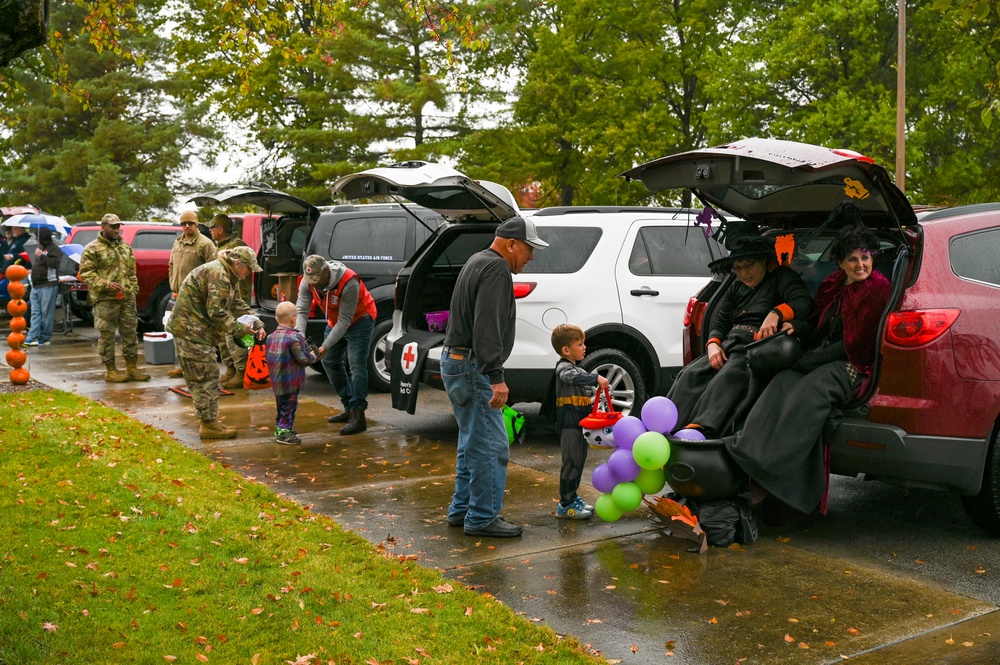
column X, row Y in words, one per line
column 118, row 544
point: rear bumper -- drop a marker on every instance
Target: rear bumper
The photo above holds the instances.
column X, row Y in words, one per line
column 892, row 455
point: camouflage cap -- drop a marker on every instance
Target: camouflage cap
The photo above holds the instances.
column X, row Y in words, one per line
column 110, row 218
column 312, row 268
column 224, row 222
column 246, row 256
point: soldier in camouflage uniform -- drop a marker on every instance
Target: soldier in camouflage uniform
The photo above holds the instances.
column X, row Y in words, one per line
column 233, row 354
column 108, row 268
column 190, row 250
column 205, row 313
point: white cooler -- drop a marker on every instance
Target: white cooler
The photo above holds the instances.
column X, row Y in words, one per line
column 159, row 348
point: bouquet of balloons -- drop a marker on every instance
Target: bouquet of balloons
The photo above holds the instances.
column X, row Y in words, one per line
column 635, row 467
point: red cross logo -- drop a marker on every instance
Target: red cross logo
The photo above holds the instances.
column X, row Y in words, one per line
column 409, row 358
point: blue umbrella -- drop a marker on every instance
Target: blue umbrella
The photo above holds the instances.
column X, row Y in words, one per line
column 73, row 251
column 40, row 221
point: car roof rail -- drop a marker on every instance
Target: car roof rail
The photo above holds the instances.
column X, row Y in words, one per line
column 574, row 210
column 960, row 210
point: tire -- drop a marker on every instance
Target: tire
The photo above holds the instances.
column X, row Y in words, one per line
column 378, row 373
column 628, row 390
column 156, row 324
column 81, row 311
column 984, row 508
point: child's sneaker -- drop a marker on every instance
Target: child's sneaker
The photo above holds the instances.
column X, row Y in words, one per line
column 287, row 437
column 578, row 510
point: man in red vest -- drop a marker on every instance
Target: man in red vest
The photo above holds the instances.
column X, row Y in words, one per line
column 350, row 313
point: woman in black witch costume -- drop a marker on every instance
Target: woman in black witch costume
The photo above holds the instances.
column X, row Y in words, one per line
column 763, row 301
column 781, row 446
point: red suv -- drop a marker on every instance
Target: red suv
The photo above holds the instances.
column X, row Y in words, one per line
column 151, row 243
column 931, row 417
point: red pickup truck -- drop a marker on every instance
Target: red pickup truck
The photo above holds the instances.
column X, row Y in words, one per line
column 151, row 243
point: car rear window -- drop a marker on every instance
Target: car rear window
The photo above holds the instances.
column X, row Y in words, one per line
column 86, row 237
column 154, row 239
column 568, row 251
column 974, row 256
column 673, row 250
column 369, row 239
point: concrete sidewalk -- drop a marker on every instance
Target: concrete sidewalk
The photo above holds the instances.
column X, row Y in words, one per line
column 628, row 589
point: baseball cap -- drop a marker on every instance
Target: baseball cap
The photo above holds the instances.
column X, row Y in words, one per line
column 246, row 255
column 110, row 218
column 312, row 268
column 223, row 222
column 520, row 228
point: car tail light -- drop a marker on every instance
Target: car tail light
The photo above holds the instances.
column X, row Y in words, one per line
column 522, row 289
column 687, row 312
column 919, row 327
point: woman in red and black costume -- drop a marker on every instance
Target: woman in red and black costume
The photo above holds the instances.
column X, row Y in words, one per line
column 782, row 444
column 711, row 392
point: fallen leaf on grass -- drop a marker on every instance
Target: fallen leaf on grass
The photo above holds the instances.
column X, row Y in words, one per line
column 241, row 560
column 202, row 657
column 713, row 621
column 49, row 626
column 443, row 588
column 789, row 638
column 169, row 659
column 468, row 611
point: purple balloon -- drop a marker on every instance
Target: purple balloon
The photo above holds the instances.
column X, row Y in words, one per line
column 627, row 430
column 623, row 467
column 690, row 434
column 603, row 480
column 659, row 414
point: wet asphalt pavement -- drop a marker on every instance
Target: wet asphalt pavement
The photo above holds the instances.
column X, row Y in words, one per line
column 887, row 577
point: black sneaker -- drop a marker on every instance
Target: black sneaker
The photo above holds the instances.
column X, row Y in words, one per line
column 498, row 528
column 288, row 438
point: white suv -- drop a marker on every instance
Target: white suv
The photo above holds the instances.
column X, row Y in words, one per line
column 623, row 274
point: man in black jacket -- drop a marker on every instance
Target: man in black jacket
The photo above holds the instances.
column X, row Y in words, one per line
column 479, row 339
column 44, row 289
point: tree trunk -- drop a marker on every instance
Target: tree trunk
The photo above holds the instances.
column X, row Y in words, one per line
column 24, row 24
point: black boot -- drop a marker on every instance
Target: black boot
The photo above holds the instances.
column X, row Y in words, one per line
column 356, row 424
column 341, row 417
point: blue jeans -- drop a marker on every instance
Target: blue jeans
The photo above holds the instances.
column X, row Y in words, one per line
column 43, row 313
column 346, row 363
column 483, row 453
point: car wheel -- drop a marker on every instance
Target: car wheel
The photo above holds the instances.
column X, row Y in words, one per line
column 378, row 373
column 156, row 323
column 628, row 391
column 81, row 311
column 984, row 508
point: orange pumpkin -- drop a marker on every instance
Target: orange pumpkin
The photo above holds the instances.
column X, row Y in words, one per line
column 15, row 340
column 16, row 290
column 18, row 324
column 16, row 358
column 16, row 273
column 17, row 307
column 19, row 376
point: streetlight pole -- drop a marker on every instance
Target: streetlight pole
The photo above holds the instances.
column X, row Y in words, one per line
column 901, row 100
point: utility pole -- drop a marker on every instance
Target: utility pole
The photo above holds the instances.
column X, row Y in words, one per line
column 901, row 100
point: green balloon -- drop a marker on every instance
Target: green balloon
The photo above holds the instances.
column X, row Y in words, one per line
column 651, row 450
column 606, row 509
column 651, row 481
column 627, row 496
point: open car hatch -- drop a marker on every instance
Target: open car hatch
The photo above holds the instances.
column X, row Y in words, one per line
column 780, row 183
column 271, row 200
column 451, row 194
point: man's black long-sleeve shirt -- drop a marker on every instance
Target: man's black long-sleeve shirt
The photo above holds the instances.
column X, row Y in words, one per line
column 482, row 312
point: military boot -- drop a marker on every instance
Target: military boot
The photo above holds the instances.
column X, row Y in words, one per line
column 356, row 424
column 236, row 381
column 175, row 373
column 213, row 429
column 134, row 373
column 229, row 375
column 112, row 375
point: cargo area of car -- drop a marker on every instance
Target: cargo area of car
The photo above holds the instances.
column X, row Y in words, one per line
column 282, row 243
column 429, row 286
